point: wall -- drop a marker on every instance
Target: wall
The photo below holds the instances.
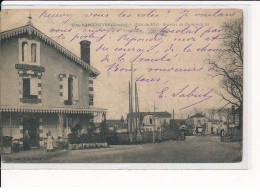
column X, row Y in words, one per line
column 9, row 78
column 56, row 63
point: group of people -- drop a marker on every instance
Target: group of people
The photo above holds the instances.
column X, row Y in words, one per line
column 26, row 142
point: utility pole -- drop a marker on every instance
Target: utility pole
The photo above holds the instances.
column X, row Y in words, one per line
column 131, row 121
column 136, row 107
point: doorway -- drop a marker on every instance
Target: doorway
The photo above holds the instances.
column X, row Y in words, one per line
column 199, row 130
column 31, row 124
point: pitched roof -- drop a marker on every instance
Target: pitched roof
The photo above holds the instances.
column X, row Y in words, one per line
column 30, row 29
column 197, row 115
column 119, row 123
column 111, row 123
column 156, row 114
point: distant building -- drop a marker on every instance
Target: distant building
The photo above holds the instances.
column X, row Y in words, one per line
column 198, row 122
column 234, row 117
column 149, row 121
column 118, row 126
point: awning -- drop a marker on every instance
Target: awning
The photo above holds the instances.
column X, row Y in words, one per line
column 53, row 110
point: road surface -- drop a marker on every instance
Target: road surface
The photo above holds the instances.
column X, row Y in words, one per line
column 196, row 149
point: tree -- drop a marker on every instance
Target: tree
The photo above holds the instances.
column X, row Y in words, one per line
column 122, row 119
column 103, row 130
column 229, row 65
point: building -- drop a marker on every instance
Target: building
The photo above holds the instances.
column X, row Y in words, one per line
column 118, row 126
column 44, row 87
column 150, row 121
column 197, row 122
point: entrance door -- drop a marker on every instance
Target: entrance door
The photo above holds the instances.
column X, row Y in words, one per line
column 32, row 125
column 199, row 129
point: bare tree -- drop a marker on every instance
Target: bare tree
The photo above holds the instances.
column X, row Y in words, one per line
column 229, row 65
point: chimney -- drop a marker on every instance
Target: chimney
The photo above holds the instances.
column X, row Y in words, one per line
column 85, row 51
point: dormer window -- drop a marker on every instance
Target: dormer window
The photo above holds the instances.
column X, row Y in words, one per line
column 24, row 51
column 29, row 52
column 33, row 52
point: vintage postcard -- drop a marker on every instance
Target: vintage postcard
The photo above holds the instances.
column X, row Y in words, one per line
column 122, row 85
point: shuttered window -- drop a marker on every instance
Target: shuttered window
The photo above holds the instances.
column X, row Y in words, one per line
column 30, row 91
column 65, row 88
column 33, row 53
column 25, row 52
column 33, row 86
column 26, row 88
column 69, row 88
column 75, row 89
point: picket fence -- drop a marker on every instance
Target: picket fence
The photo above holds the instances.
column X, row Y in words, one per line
column 149, row 137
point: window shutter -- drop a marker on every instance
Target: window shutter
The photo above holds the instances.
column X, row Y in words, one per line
column 34, row 86
column 75, row 89
column 65, row 88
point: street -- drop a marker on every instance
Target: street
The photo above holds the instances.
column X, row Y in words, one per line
column 196, row 149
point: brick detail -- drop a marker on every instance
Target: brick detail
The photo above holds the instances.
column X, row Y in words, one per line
column 91, row 91
column 30, row 74
column 41, row 132
column 21, row 129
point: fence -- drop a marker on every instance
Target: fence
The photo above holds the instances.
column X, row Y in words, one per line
column 148, row 137
column 231, row 135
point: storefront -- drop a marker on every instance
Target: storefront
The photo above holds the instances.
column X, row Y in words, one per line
column 38, row 122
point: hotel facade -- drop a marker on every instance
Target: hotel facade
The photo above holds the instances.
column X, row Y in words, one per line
column 44, row 87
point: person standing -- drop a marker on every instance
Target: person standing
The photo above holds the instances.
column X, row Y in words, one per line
column 26, row 143
column 50, row 140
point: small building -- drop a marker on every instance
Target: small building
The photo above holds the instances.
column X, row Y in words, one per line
column 149, row 121
column 215, row 127
column 44, row 86
column 118, row 126
column 197, row 122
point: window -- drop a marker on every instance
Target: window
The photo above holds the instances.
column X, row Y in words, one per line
column 91, row 99
column 30, row 90
column 24, row 51
column 70, row 82
column 199, row 123
column 26, row 88
column 69, row 89
column 151, row 121
column 29, row 51
column 33, row 52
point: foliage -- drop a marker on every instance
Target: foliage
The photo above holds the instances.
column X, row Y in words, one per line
column 76, row 129
column 113, row 140
column 229, row 64
column 76, row 137
column 103, row 131
column 73, row 138
column 7, row 141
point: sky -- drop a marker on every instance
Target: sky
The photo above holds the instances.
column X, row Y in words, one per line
column 148, row 39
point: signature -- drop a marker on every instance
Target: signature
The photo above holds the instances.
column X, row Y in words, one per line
column 186, row 92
